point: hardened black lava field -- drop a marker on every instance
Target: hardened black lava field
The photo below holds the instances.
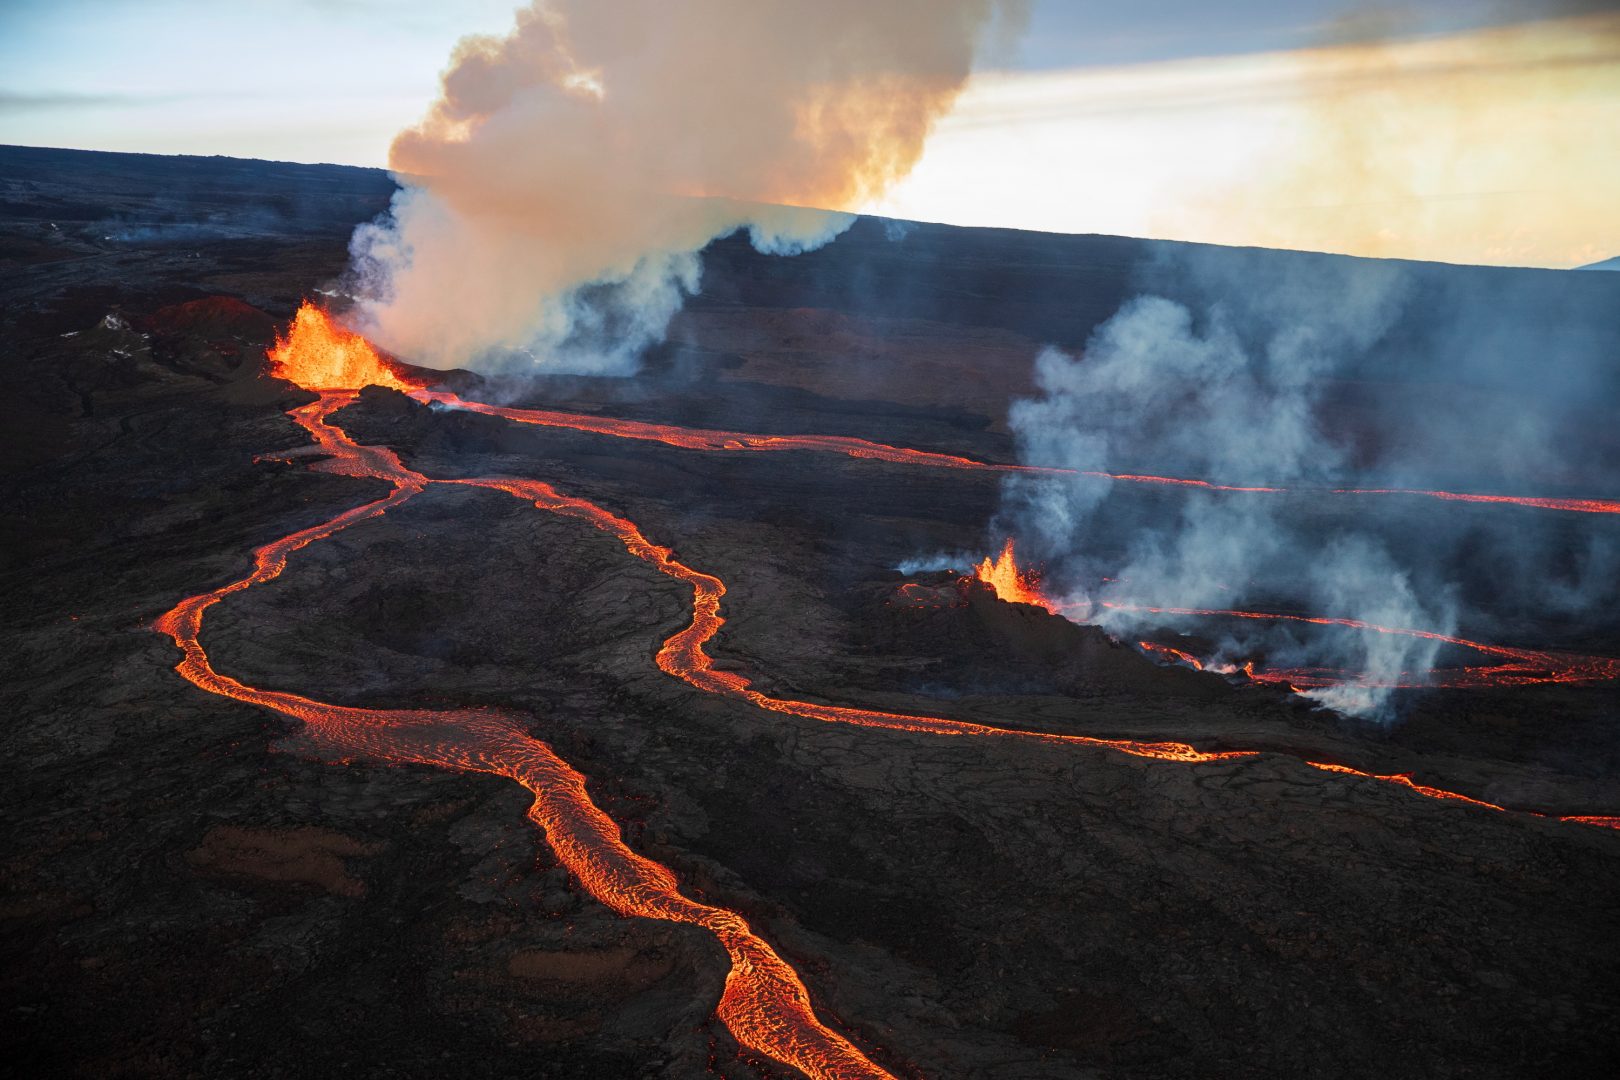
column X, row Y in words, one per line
column 516, row 748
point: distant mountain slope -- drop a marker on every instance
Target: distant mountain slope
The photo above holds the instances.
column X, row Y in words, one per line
column 150, row 198
column 1606, row 264
column 909, row 314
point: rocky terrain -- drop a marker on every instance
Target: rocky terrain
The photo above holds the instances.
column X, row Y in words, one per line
column 188, row 893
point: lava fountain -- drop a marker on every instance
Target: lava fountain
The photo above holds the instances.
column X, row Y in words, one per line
column 1012, row 583
column 764, row 1004
column 317, row 354
column 320, row 355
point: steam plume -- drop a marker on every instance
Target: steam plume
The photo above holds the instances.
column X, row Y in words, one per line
column 559, row 189
column 1318, row 371
column 1222, row 386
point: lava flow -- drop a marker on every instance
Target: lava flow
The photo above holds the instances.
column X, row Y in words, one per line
column 764, row 1003
column 1516, row 667
column 1577, row 506
column 1522, row 667
column 683, row 656
column 319, row 355
column 706, row 439
column 850, row 446
column 1180, row 656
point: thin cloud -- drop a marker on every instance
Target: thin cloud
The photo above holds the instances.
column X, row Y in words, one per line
column 22, row 101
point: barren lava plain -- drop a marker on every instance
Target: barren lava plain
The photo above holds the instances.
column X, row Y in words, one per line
column 194, row 886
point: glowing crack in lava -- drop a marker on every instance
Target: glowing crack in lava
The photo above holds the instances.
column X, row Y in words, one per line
column 764, row 1004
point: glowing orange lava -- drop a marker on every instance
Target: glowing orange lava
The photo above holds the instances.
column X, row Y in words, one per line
column 764, row 1004
column 1577, row 506
column 1405, row 780
column 1513, row 667
column 709, row 439
column 714, row 439
column 317, row 354
column 1180, row 656
column 1010, row 583
column 684, row 657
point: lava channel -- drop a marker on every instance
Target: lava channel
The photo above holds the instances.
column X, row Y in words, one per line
column 765, row 1005
column 327, row 358
column 715, row 439
column 684, row 657
column 1516, row 666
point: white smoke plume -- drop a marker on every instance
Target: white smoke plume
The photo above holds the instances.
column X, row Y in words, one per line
column 558, row 191
column 1224, row 388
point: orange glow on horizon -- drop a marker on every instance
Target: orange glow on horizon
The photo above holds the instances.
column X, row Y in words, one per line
column 1475, row 146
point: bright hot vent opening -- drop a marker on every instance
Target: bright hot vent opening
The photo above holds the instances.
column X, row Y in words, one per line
column 318, row 354
column 1015, row 585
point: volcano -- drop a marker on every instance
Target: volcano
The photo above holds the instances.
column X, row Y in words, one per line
column 376, row 719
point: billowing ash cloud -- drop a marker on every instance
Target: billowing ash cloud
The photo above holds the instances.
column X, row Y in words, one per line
column 560, row 187
column 1224, row 383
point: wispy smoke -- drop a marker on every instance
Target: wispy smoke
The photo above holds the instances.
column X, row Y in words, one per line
column 560, row 188
column 1249, row 367
column 1223, row 384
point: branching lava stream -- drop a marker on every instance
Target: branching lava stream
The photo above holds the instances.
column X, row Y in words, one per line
column 765, row 1004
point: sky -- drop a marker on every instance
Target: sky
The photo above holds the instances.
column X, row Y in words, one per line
column 1462, row 130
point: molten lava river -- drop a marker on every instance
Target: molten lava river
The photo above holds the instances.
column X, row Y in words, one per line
column 765, row 1004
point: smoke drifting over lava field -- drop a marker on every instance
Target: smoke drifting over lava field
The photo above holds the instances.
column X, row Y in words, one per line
column 950, row 653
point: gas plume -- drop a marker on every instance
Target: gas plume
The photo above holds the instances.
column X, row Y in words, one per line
column 1324, row 374
column 557, row 193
